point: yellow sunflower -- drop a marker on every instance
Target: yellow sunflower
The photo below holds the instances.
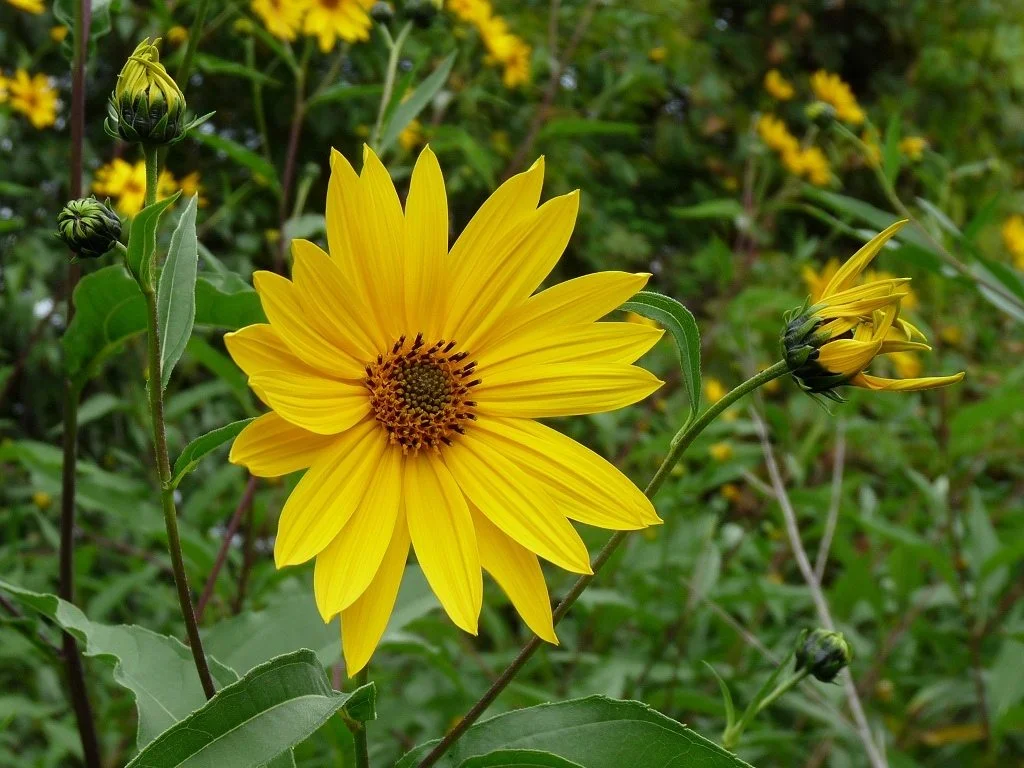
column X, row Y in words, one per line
column 34, row 97
column 282, row 18
column 31, row 6
column 328, row 20
column 406, row 377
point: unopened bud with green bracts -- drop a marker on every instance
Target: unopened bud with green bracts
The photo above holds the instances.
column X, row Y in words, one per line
column 823, row 653
column 88, row 227
column 147, row 106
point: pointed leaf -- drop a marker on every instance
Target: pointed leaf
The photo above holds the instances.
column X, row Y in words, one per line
column 176, row 294
column 204, row 444
column 407, row 111
column 142, row 238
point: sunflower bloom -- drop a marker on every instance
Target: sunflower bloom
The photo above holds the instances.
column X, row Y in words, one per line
column 777, row 86
column 1013, row 238
column 913, row 147
column 831, row 89
column 329, row 20
column 126, row 183
column 30, row 6
column 406, row 377
column 282, row 18
column 34, row 97
column 832, row 342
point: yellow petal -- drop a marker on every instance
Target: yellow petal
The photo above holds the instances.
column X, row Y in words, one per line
column 384, row 225
column 518, row 573
column 580, row 300
column 332, row 306
column 345, row 233
column 324, row 406
column 257, row 348
column 347, row 566
column 847, row 273
column 442, row 534
column 889, row 347
column 518, row 506
column 271, row 447
column 363, row 623
column 585, row 343
column 584, row 486
column 569, row 389
column 289, row 319
column 515, row 269
column 328, row 494
column 426, row 246
column 847, row 356
column 904, row 385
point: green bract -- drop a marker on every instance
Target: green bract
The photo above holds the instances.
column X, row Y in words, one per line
column 88, row 227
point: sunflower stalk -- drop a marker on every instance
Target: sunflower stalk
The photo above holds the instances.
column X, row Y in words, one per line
column 156, row 407
column 680, row 442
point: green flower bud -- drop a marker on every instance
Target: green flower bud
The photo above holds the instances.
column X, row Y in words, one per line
column 382, row 13
column 823, row 653
column 421, row 12
column 88, row 227
column 147, row 106
column 800, row 344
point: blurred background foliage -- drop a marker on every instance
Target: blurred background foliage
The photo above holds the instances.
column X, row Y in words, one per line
column 655, row 110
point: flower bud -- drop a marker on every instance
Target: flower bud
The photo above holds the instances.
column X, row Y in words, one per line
column 88, row 227
column 421, row 12
column 823, row 653
column 800, row 344
column 382, row 12
column 147, row 106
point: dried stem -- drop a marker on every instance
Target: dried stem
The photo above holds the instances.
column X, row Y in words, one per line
column 832, row 519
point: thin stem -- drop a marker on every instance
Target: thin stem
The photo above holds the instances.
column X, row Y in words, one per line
column 875, row 756
column 362, row 748
column 395, row 47
column 834, row 502
column 77, row 689
column 731, row 737
column 291, row 156
column 222, row 554
column 678, row 446
column 156, row 408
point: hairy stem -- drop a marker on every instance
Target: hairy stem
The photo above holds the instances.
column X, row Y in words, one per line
column 362, row 749
column 678, row 446
column 156, row 409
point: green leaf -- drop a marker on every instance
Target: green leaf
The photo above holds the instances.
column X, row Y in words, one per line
column 730, row 708
column 875, row 218
column 407, row 111
column 344, row 92
column 214, row 65
column 597, row 732
column 580, row 126
column 99, row 25
column 250, row 722
column 681, row 323
column 201, row 446
column 519, row 758
column 157, row 669
column 142, row 238
column 241, row 155
column 218, row 306
column 724, row 208
column 176, row 294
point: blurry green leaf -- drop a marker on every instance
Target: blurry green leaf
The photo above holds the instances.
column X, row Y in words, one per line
column 222, row 366
column 241, row 155
column 344, row 92
column 201, row 446
column 568, row 127
column 157, row 669
column 176, row 294
column 407, row 111
column 214, row 65
column 96, row 407
column 519, row 758
column 876, row 218
column 142, row 238
column 724, row 208
column 274, row 707
column 64, row 12
column 940, row 217
column 596, row 732
column 983, row 217
column 730, row 708
column 680, row 321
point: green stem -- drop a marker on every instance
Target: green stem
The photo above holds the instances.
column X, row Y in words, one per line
column 156, row 408
column 678, row 446
column 731, row 738
column 395, row 47
column 362, row 749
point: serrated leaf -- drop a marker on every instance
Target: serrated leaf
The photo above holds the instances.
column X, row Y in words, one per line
column 142, row 238
column 204, row 444
column 157, row 669
column 678, row 320
column 519, row 758
column 176, row 294
column 597, row 732
column 407, row 111
column 252, row 721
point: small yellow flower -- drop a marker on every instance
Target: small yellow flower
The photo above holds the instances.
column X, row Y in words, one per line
column 331, row 20
column 776, row 135
column 4, row 84
column 30, row 6
column 951, row 335
column 59, row 33
column 832, row 342
column 34, row 97
column 811, row 163
column 412, row 404
column 282, row 18
column 830, row 89
column 472, row 11
column 714, row 390
column 126, row 184
column 777, row 86
column 658, row 54
column 177, row 35
column 189, row 186
column 411, row 136
column 42, row 500
column 730, row 492
column 1013, row 238
column 721, row 451
column 913, row 147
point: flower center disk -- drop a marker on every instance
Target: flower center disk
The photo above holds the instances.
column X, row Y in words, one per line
column 421, row 394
